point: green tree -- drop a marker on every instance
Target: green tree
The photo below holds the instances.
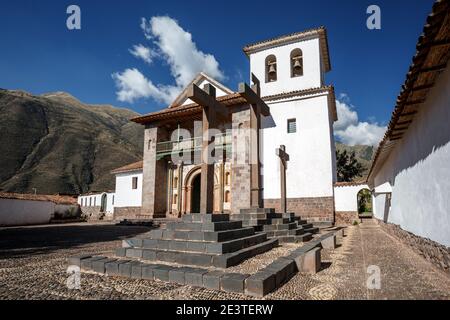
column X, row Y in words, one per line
column 347, row 166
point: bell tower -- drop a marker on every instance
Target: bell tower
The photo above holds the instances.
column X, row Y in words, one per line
column 294, row 62
column 291, row 70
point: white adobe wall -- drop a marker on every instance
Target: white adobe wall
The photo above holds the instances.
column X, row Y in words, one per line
column 346, row 197
column 15, row 212
column 312, row 68
column 418, row 169
column 125, row 195
column 310, row 170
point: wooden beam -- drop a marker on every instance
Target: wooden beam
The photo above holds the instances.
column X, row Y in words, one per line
column 400, row 129
column 411, row 103
column 430, row 44
column 423, row 87
column 433, row 68
column 252, row 98
column 403, row 122
column 204, row 99
column 406, row 114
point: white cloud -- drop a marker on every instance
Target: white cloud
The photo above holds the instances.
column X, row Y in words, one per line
column 142, row 52
column 350, row 131
column 177, row 49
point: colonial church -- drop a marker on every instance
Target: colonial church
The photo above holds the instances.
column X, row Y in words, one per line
column 287, row 104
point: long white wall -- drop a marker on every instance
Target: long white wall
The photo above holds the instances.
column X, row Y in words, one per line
column 126, row 196
column 346, row 197
column 15, row 212
column 310, row 169
column 418, row 169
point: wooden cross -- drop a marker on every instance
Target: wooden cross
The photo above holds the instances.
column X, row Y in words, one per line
column 212, row 110
column 258, row 108
column 284, row 158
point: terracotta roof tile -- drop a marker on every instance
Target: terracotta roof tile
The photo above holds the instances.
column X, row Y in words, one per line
column 129, row 167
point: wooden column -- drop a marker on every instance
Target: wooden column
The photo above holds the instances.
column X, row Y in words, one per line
column 211, row 111
column 257, row 108
column 284, row 158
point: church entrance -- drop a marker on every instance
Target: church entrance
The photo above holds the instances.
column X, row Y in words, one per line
column 195, row 194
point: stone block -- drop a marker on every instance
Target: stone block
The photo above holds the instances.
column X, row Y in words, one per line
column 150, row 243
column 194, row 259
column 233, row 282
column 211, row 280
column 329, row 242
column 163, row 244
column 76, row 260
column 136, row 270
column 134, row 253
column 178, row 245
column 125, row 269
column 282, row 268
column 260, row 284
column 99, row 265
column 309, row 262
column 112, row 268
column 147, row 271
column 161, row 272
column 121, row 252
column 177, row 275
column 194, row 277
column 167, row 256
column 196, row 236
column 156, row 234
column 86, row 264
column 149, row 255
column 196, row 246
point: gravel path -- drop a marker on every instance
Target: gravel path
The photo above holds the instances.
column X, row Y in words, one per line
column 33, row 266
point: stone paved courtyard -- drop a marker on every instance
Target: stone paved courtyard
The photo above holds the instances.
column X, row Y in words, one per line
column 33, row 266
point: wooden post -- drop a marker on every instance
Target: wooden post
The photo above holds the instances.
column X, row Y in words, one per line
column 211, row 110
column 257, row 108
column 284, row 158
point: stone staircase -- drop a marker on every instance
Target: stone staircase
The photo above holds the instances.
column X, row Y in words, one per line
column 286, row 227
column 207, row 240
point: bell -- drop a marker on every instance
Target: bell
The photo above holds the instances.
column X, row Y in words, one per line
column 297, row 65
column 272, row 69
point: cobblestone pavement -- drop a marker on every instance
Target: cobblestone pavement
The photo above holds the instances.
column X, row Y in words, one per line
column 33, row 266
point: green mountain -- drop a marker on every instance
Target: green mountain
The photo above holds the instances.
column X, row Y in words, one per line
column 364, row 154
column 57, row 144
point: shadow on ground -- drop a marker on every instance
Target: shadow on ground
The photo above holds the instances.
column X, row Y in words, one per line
column 40, row 240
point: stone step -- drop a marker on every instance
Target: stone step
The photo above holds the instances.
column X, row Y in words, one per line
column 302, row 222
column 257, row 210
column 198, row 259
column 294, row 239
column 201, row 246
column 276, row 221
column 311, row 230
column 197, row 217
column 255, row 223
column 206, row 226
column 213, row 236
column 286, row 226
column 282, row 233
column 306, row 225
column 249, row 216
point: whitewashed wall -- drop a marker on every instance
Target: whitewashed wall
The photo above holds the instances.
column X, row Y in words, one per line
column 310, row 170
column 15, row 212
column 312, row 67
column 419, row 170
column 346, row 197
column 125, row 195
column 95, row 200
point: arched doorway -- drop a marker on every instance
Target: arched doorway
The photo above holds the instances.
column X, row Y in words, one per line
column 364, row 200
column 195, row 194
column 103, row 203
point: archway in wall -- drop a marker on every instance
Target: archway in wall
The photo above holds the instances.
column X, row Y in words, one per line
column 364, row 202
column 103, row 203
column 195, row 194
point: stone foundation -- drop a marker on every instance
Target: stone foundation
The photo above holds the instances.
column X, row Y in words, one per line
column 320, row 209
column 346, row 217
column 432, row 251
column 126, row 213
column 91, row 213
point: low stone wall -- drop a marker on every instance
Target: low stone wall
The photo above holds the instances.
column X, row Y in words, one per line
column 346, row 217
column 91, row 213
column 319, row 209
column 432, row 251
column 126, row 213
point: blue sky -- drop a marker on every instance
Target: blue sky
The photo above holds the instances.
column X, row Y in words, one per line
column 39, row 54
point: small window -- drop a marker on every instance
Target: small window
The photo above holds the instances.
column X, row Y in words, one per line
column 90, row 201
column 135, row 183
column 227, row 196
column 113, row 200
column 175, row 199
column 292, row 126
column 95, row 200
